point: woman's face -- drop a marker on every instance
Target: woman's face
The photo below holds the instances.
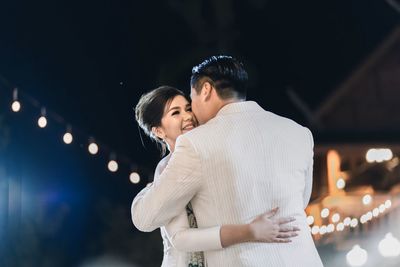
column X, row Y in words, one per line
column 178, row 119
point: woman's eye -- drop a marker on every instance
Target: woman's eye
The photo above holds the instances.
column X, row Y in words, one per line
column 175, row 113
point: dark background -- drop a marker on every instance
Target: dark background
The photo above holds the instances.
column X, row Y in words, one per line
column 89, row 61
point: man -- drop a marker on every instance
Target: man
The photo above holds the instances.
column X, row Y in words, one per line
column 241, row 161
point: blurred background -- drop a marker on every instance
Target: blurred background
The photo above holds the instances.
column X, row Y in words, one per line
column 67, row 179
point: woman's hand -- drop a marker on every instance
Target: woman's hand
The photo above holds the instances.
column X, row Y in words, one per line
column 266, row 228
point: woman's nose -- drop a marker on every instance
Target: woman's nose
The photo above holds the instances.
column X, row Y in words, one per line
column 187, row 116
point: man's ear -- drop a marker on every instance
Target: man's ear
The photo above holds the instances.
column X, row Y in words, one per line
column 206, row 91
column 158, row 131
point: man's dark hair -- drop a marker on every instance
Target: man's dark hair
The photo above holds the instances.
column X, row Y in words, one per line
column 226, row 74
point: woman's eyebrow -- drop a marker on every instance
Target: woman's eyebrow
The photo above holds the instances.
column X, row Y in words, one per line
column 172, row 109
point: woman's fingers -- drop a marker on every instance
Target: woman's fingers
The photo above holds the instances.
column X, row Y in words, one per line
column 285, row 220
column 287, row 228
column 287, row 235
column 271, row 213
column 281, row 240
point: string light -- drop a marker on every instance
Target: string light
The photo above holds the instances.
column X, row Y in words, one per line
column 322, row 230
column 335, row 217
column 340, row 184
column 310, row 220
column 68, row 138
column 42, row 121
column 112, row 164
column 340, row 227
column 347, row 221
column 369, row 216
column 378, row 155
column 388, row 204
column 375, row 212
column 325, row 213
column 315, row 229
column 330, row 228
column 382, row 208
column 353, row 223
column 93, row 148
column 366, row 200
column 134, row 177
column 16, row 105
column 363, row 219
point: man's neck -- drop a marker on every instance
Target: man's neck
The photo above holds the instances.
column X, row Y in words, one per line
column 222, row 103
column 229, row 101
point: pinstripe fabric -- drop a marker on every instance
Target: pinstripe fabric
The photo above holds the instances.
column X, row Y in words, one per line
column 241, row 163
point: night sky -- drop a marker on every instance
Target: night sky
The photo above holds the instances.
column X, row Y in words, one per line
column 89, row 61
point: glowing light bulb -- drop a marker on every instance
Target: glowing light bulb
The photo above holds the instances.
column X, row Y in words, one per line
column 388, row 204
column 315, row 229
column 354, row 223
column 325, row 213
column 367, row 199
column 341, row 183
column 42, row 122
column 68, row 138
column 363, row 219
column 134, row 177
column 322, row 230
column 357, row 256
column 330, row 228
column 310, row 220
column 382, row 208
column 375, row 212
column 368, row 216
column 347, row 221
column 371, row 155
column 335, row 217
column 16, row 106
column 387, row 154
column 93, row 148
column 112, row 166
column 340, row 227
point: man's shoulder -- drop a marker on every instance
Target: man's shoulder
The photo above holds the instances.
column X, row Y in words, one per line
column 200, row 131
column 285, row 121
column 161, row 165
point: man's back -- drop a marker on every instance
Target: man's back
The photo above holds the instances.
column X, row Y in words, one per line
column 253, row 161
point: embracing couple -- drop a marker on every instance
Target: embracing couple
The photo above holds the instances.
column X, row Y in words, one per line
column 233, row 188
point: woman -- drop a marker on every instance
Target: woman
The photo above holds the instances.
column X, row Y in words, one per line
column 165, row 113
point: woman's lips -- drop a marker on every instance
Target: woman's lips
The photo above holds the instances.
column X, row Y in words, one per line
column 188, row 127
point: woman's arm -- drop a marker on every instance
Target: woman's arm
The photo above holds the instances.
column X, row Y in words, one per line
column 264, row 228
column 187, row 239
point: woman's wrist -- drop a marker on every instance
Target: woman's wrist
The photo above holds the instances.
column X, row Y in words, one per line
column 247, row 232
column 235, row 234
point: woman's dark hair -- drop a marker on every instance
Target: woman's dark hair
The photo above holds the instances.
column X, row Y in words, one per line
column 225, row 73
column 150, row 110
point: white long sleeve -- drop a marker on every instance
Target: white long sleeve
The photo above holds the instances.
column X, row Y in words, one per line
column 309, row 172
column 187, row 239
column 156, row 205
column 178, row 231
